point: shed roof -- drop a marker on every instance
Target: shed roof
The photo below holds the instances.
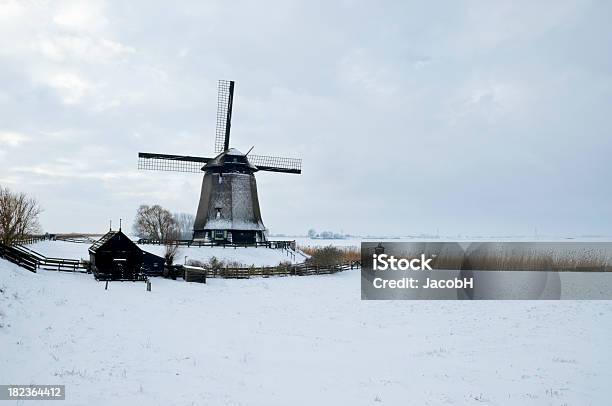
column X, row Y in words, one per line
column 111, row 235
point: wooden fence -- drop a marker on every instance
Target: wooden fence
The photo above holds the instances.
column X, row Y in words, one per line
column 17, row 257
column 51, row 263
column 191, row 243
column 79, row 240
column 31, row 239
column 76, row 238
column 302, row 269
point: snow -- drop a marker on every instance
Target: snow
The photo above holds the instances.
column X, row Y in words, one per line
column 234, row 151
column 259, row 256
column 294, row 341
column 61, row 249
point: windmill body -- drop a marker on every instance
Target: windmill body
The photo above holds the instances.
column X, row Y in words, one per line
column 229, row 205
column 228, row 210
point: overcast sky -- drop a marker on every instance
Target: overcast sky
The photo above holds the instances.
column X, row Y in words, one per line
column 489, row 118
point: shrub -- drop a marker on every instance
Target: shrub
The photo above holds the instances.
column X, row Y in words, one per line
column 171, row 250
column 325, row 256
column 215, row 264
column 332, row 255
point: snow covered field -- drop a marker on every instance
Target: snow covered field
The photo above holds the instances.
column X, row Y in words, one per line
column 248, row 256
column 294, row 341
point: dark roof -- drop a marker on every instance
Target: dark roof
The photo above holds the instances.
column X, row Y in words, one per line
column 231, row 159
column 147, row 254
column 94, row 247
column 106, row 238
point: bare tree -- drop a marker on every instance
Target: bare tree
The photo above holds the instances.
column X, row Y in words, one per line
column 185, row 223
column 170, row 252
column 18, row 216
column 156, row 223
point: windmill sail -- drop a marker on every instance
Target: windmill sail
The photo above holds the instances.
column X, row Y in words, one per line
column 276, row 164
column 172, row 163
column 225, row 100
column 194, row 164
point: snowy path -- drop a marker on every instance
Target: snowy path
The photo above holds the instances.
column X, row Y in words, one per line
column 294, row 341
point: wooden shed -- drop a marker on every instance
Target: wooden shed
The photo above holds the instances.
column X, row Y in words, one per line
column 116, row 257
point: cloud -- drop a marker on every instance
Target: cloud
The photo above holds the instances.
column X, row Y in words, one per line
column 489, row 25
column 471, row 117
column 361, row 69
column 81, row 48
column 70, row 169
column 71, row 87
column 488, row 100
column 11, row 10
column 81, row 15
column 12, row 139
column 9, row 180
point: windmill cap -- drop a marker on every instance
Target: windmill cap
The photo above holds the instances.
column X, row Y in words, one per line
column 232, row 159
column 233, row 152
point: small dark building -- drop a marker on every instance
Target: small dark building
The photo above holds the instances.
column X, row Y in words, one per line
column 116, row 257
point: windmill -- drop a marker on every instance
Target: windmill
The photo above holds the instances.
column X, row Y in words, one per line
column 228, row 210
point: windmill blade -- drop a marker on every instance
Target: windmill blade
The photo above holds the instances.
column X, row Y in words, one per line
column 225, row 102
column 171, row 163
column 276, row 164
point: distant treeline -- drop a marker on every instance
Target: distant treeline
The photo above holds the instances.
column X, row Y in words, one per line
column 328, row 235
